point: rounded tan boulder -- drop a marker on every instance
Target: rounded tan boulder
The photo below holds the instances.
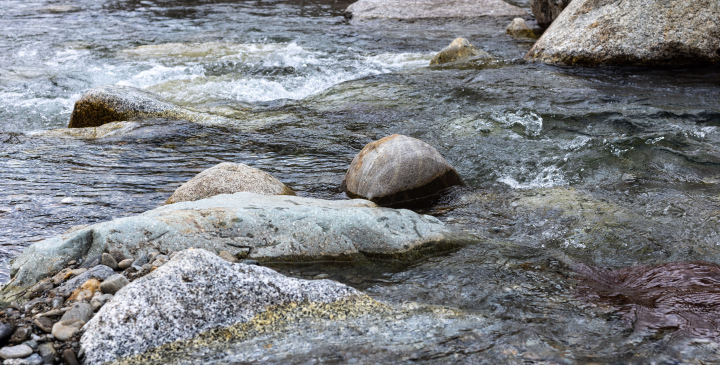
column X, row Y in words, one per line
column 399, row 171
column 460, row 49
column 228, row 178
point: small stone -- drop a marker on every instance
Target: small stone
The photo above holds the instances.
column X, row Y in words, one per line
column 33, row 345
column 14, row 352
column 114, row 283
column 109, row 261
column 99, row 300
column 124, row 264
column 321, row 276
column 58, row 302
column 82, row 311
column 250, row 262
column 37, row 338
column 86, row 290
column 92, row 262
column 458, row 50
column 40, row 288
column 62, row 276
column 52, row 313
column 64, row 330
column 117, row 255
column 6, row 329
column 73, row 262
column 140, row 261
column 519, row 29
column 33, row 359
column 44, row 323
column 20, row 335
column 47, row 353
column 69, row 357
column 227, row 256
column 78, row 272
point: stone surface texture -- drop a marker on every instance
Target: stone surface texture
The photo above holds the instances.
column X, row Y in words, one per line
column 643, row 32
column 545, row 11
column 13, row 352
column 228, row 178
column 428, row 9
column 194, row 292
column 280, row 228
column 33, row 359
column 519, row 29
column 459, row 49
column 398, row 170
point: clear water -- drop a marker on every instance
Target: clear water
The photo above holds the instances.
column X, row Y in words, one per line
column 611, row 167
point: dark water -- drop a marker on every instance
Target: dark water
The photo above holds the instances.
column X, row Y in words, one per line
column 610, row 168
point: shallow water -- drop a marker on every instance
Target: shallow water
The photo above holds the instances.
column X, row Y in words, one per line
column 609, row 168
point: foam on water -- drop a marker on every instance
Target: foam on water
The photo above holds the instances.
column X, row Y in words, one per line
column 549, row 176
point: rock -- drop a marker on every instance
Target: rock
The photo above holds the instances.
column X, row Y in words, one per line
column 118, row 255
column 228, row 178
column 33, row 345
column 78, row 272
column 44, row 324
column 64, row 330
column 194, row 292
column 47, row 353
column 430, row 9
column 82, row 311
column 518, row 29
column 124, row 264
column 114, row 283
column 69, row 356
column 400, row 171
column 58, row 302
column 14, row 352
column 227, row 256
column 86, row 291
column 113, row 103
column 459, row 50
column 6, row 329
column 109, row 261
column 41, row 288
column 99, row 300
column 62, row 276
column 140, row 261
column 272, row 227
column 33, row 359
column 545, row 11
column 643, row 32
column 91, row 262
column 20, row 335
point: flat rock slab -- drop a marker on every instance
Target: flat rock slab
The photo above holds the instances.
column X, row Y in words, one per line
column 197, row 291
column 642, row 32
column 271, row 228
column 429, row 9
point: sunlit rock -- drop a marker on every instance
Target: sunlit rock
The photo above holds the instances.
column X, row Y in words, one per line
column 429, row 9
column 459, row 50
column 228, row 178
column 545, row 11
column 645, row 32
column 519, row 29
column 399, row 171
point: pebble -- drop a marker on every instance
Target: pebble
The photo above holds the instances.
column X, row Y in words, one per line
column 321, row 276
column 20, row 335
column 14, row 352
column 114, row 283
column 117, row 255
column 6, row 330
column 62, row 275
column 250, row 262
column 44, row 323
column 86, row 290
column 69, row 356
column 99, row 300
column 140, row 261
column 82, row 311
column 33, row 345
column 47, row 353
column 64, row 330
column 124, row 264
column 93, row 261
column 109, row 261
column 58, row 302
column 34, row 359
column 77, row 272
column 52, row 313
column 72, row 262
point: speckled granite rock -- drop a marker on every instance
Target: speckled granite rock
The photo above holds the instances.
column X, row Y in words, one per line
column 545, row 11
column 276, row 227
column 459, row 49
column 428, row 9
column 196, row 291
column 643, row 32
column 228, row 178
column 399, row 170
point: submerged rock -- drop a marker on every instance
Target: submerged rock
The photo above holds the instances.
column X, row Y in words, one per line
column 399, row 170
column 644, row 32
column 459, row 50
column 428, row 9
column 228, row 178
column 261, row 227
column 545, row 11
column 195, row 292
column 519, row 29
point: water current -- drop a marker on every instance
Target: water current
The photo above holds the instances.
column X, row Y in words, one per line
column 572, row 172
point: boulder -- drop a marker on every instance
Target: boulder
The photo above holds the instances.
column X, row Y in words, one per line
column 643, row 32
column 228, row 178
column 429, row 9
column 519, row 29
column 545, row 11
column 115, row 103
column 399, row 171
column 459, row 50
column 197, row 291
column 261, row 227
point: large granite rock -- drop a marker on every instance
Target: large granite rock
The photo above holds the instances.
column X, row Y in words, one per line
column 197, row 291
column 228, row 178
column 263, row 227
column 399, row 171
column 545, row 11
column 113, row 103
column 429, row 9
column 459, row 49
column 643, row 32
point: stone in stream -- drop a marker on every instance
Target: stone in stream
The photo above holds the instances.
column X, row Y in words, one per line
column 64, row 330
column 519, row 29
column 264, row 227
column 545, row 11
column 459, row 50
column 82, row 311
column 124, row 264
column 228, row 178
column 197, row 291
column 399, row 171
column 14, row 352
column 430, row 9
column 642, row 32
column 109, row 261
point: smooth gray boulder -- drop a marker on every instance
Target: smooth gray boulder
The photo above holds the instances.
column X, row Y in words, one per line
column 546, row 11
column 459, row 49
column 642, row 32
column 270, row 227
column 429, row 9
column 197, row 291
column 228, row 178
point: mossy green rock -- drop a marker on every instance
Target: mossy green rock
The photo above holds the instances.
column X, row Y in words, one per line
column 459, row 50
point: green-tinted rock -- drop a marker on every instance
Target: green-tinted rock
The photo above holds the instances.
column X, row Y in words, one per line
column 459, row 50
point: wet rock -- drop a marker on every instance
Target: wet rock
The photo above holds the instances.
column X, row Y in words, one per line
column 14, row 352
column 545, row 11
column 33, row 359
column 114, row 283
column 281, row 228
column 69, row 357
column 429, row 9
column 228, row 178
column 86, row 291
column 124, row 264
column 47, row 352
column 519, row 29
column 64, row 330
column 399, row 171
column 6, row 330
column 109, row 261
column 114, row 103
column 44, row 324
column 459, row 50
column 82, row 311
column 194, row 292
column 644, row 32
column 20, row 335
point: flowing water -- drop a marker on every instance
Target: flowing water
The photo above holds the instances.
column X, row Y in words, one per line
column 573, row 172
